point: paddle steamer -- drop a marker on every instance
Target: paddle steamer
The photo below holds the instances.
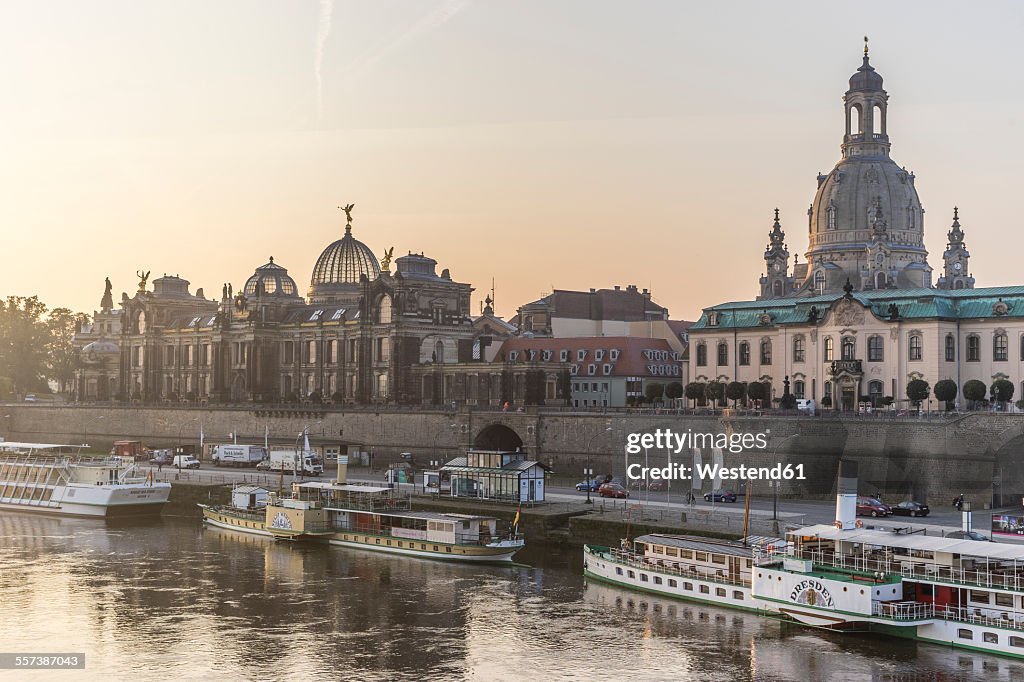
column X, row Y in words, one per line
column 842, row 576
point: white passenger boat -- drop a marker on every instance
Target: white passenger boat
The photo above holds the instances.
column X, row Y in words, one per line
column 56, row 479
column 366, row 517
column 963, row 593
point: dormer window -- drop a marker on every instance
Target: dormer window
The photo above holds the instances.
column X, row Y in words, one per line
column 591, row 369
column 581, row 355
column 513, row 356
column 613, row 354
column 563, row 355
column 337, row 314
column 713, row 319
column 607, row 369
column 599, row 355
column 574, row 370
column 316, row 315
column 546, row 355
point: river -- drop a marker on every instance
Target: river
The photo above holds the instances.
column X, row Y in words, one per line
column 168, row 599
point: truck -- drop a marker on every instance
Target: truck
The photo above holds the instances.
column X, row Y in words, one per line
column 288, row 460
column 238, row 455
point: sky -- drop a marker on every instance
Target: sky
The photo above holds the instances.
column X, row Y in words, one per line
column 542, row 143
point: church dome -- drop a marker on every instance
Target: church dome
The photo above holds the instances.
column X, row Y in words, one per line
column 865, row 78
column 340, row 267
column 271, row 280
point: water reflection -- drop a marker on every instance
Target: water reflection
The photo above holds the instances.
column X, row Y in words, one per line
column 170, row 599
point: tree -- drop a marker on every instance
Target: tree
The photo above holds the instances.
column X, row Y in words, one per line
column 946, row 391
column 695, row 392
column 62, row 357
column 757, row 390
column 23, row 343
column 1002, row 390
column 917, row 391
column 714, row 391
column 674, row 391
column 734, row 391
column 654, row 392
column 974, row 391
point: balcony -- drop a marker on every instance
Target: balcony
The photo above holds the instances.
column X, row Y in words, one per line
column 846, row 367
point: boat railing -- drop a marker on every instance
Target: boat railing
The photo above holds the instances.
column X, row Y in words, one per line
column 670, row 567
column 903, row 610
column 976, row 616
column 387, row 532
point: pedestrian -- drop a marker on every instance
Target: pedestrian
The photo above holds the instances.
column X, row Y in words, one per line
column 159, row 466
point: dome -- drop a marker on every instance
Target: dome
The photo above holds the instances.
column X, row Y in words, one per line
column 271, row 280
column 102, row 346
column 866, row 78
column 340, row 267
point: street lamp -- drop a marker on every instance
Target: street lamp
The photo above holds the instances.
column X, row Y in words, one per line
column 776, row 484
column 589, row 471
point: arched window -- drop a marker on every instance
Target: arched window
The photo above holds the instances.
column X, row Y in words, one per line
column 140, row 322
column 881, row 281
column 745, row 352
column 876, row 349
column 777, row 288
column 827, row 390
column 384, row 310
column 799, row 388
column 828, row 354
column 766, row 351
column 723, row 354
column 853, row 120
column 914, row 350
column 439, row 352
column 877, row 125
column 973, row 348
column 702, row 355
column 959, row 284
column 848, row 348
column 819, row 282
column 799, row 351
column 911, row 217
column 875, row 393
column 1000, row 347
column 951, row 348
column 830, row 217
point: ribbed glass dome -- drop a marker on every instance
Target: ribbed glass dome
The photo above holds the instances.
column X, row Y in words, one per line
column 344, row 261
column 274, row 280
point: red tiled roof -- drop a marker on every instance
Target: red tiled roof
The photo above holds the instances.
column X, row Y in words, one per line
column 642, row 357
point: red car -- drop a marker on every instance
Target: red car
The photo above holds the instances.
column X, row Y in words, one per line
column 871, row 506
column 613, row 490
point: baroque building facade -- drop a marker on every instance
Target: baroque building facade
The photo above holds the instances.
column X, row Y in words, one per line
column 359, row 338
column 860, row 318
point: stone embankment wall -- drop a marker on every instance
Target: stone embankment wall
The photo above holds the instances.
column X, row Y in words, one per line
column 979, row 454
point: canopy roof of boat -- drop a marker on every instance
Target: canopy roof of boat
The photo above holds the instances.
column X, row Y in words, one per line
column 13, row 445
column 882, row 538
column 714, row 545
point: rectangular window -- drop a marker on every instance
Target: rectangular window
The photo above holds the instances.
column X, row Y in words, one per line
column 672, row 582
column 914, row 347
column 1016, row 641
column 973, row 349
column 951, row 349
column 701, row 556
column 632, row 574
column 990, row 638
column 964, row 633
column 717, row 559
column 719, row 591
column 799, row 351
column 736, row 594
column 643, row 577
column 979, row 597
column 671, row 551
column 618, row 571
column 688, row 586
column 704, row 589
column 876, row 349
column 657, row 580
column 1000, row 348
column 1004, row 599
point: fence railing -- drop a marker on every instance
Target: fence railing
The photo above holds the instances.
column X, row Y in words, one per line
column 667, row 566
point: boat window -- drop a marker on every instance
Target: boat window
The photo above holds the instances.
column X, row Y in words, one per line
column 687, row 586
column 702, row 556
column 657, row 580
column 704, row 589
column 746, row 563
column 990, row 638
column 1016, row 641
column 1004, row 599
column 736, row 594
column 719, row 591
column 717, row 559
column 964, row 633
column 657, row 549
column 672, row 583
column 671, row 551
column 632, row 574
column 643, row 577
column 618, row 571
column 685, row 554
column 979, row 597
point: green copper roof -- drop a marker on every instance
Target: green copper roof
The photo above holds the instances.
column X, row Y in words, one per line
column 913, row 304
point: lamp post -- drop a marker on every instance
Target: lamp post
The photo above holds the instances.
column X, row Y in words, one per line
column 776, row 484
column 589, row 471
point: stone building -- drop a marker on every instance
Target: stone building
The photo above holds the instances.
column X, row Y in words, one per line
column 859, row 318
column 599, row 312
column 358, row 338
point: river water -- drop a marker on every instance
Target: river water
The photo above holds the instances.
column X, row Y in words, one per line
column 168, row 599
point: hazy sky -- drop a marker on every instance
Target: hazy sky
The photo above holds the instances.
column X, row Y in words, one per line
column 542, row 143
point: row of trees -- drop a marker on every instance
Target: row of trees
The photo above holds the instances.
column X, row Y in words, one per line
column 717, row 392
column 36, row 346
column 976, row 392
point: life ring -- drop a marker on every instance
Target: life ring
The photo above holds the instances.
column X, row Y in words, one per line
column 859, row 524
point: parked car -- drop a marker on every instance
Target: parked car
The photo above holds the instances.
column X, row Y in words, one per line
column 805, row 405
column 613, row 490
column 658, row 485
column 872, row 506
column 968, row 535
column 31, row 398
column 910, row 508
column 720, row 496
column 161, row 457
column 592, row 485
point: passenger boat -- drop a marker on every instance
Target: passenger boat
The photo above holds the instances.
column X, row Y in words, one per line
column 842, row 576
column 366, row 517
column 57, row 479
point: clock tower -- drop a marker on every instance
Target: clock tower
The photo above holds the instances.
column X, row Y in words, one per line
column 777, row 282
column 956, row 258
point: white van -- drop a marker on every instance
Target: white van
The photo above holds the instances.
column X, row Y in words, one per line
column 185, row 462
column 806, row 406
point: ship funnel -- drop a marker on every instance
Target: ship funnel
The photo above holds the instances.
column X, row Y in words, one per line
column 846, row 495
column 342, row 476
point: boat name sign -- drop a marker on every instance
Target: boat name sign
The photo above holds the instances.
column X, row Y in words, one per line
column 812, row 593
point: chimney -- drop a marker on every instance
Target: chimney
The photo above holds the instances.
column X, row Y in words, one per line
column 846, row 495
column 617, row 287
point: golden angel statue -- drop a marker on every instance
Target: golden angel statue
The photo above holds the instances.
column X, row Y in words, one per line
column 385, row 262
column 143, row 278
